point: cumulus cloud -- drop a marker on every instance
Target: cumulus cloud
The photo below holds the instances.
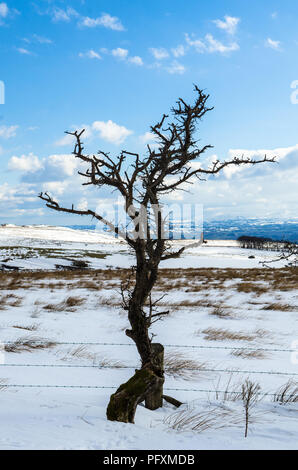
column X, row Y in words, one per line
column 91, row 54
column 210, row 45
column 120, row 53
column 55, row 187
column 67, row 139
column 66, row 164
column 178, row 51
column 105, row 20
column 147, row 138
column 25, row 163
column 159, row 53
column 111, row 132
column 58, row 14
column 137, row 60
column 6, row 132
column 229, row 24
column 273, row 44
column 18, row 194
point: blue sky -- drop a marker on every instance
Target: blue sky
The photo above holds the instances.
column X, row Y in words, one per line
column 115, row 67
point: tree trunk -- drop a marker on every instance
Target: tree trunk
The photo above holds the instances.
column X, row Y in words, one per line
column 123, row 403
column 147, row 383
column 153, row 399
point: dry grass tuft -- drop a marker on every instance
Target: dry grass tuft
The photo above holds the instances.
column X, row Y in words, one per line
column 221, row 312
column 66, row 305
column 281, row 307
column 81, row 352
column 249, row 287
column 219, row 334
column 28, row 344
column 178, row 366
column 10, row 300
column 248, row 354
column 287, row 393
column 189, row 419
column 32, row 327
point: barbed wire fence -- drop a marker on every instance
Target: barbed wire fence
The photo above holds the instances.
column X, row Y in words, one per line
column 119, row 367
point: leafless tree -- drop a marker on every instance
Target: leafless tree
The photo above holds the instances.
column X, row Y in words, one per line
column 142, row 182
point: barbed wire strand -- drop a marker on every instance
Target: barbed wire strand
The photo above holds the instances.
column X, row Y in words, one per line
column 135, row 367
column 113, row 388
column 165, row 345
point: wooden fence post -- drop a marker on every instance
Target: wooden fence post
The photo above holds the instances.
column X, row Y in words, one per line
column 153, row 400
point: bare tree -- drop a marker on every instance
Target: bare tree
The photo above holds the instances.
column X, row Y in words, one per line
column 142, row 182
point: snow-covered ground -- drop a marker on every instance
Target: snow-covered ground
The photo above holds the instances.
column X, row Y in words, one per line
column 43, row 247
column 36, row 307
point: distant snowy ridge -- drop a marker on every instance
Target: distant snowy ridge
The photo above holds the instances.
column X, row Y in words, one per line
column 47, row 232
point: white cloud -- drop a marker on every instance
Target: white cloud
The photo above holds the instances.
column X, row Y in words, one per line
column 120, row 53
column 83, row 204
column 26, row 163
column 217, row 46
column 229, row 24
column 176, row 68
column 6, row 132
column 280, row 153
column 178, row 51
column 196, row 43
column 90, row 54
column 40, row 212
column 67, row 164
column 24, row 51
column 273, row 44
column 105, row 20
column 147, row 138
column 136, row 60
column 111, row 132
column 42, row 40
column 4, row 10
column 159, row 53
column 55, row 187
column 63, row 15
column 66, row 140
column 211, row 45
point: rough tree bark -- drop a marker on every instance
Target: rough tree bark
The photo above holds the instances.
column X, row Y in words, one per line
column 142, row 183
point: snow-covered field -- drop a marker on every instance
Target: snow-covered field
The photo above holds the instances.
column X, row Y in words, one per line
column 213, row 308
column 43, row 247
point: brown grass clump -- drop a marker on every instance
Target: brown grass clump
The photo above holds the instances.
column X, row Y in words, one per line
column 221, row 312
column 10, row 300
column 32, row 327
column 287, row 393
column 281, row 307
column 28, row 344
column 249, row 287
column 248, row 354
column 178, row 366
column 66, row 305
column 219, row 334
column 284, row 279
